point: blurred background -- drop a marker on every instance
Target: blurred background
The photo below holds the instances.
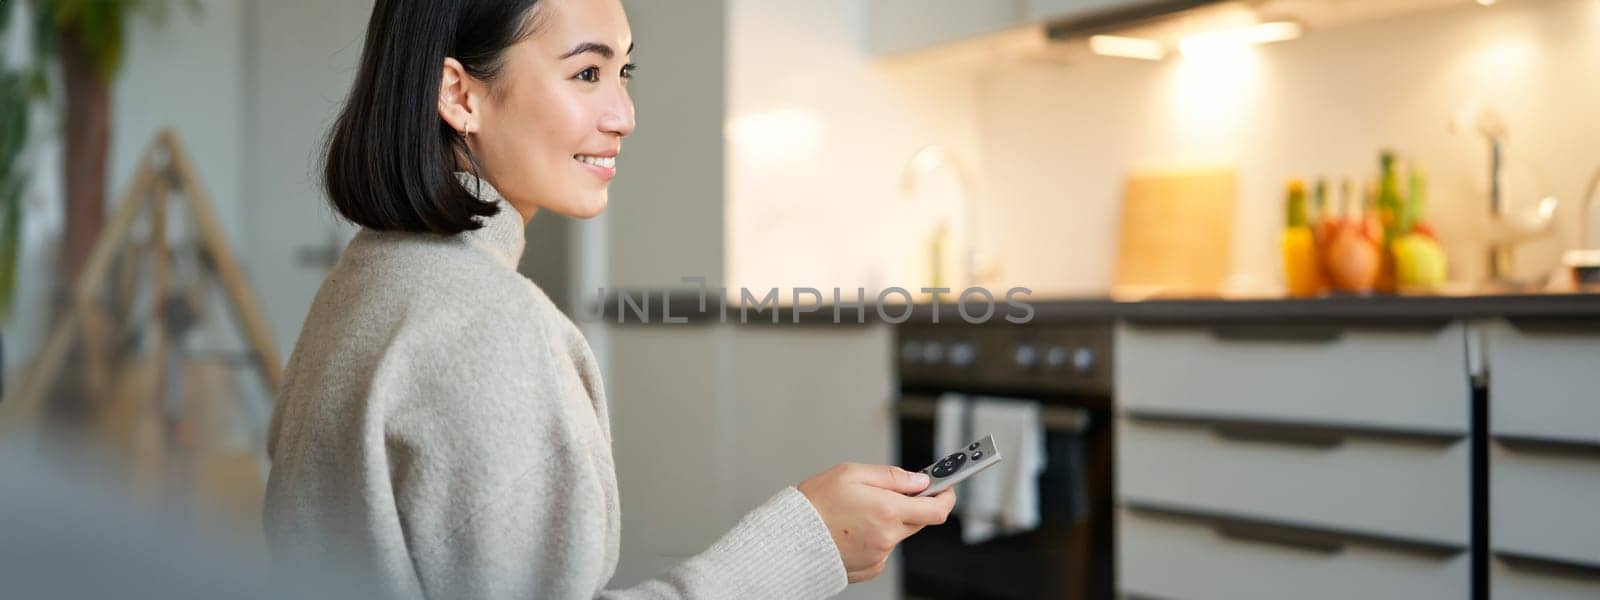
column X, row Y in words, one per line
column 1275, row 250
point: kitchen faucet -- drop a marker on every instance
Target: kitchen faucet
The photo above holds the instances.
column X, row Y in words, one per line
column 928, row 160
column 1512, row 228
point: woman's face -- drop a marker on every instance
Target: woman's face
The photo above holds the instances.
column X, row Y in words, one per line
column 547, row 130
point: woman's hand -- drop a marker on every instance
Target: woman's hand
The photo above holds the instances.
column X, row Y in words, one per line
column 868, row 512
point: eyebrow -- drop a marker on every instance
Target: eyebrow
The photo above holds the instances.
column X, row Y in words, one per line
column 595, row 47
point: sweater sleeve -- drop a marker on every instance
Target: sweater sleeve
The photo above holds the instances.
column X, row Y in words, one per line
column 780, row 550
column 499, row 472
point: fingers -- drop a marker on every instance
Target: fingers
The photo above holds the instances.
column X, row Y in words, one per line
column 891, row 478
column 932, row 510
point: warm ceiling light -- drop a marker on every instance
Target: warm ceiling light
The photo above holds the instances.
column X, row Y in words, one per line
column 1263, row 33
column 1126, row 47
column 1485, row 2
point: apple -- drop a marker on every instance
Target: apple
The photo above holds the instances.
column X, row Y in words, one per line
column 1420, row 263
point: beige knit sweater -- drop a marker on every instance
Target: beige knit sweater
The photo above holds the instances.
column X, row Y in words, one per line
column 442, row 430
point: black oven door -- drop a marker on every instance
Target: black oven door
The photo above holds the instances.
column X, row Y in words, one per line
column 1068, row 557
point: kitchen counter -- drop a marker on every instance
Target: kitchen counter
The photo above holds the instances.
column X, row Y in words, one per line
column 1371, row 309
column 1555, row 309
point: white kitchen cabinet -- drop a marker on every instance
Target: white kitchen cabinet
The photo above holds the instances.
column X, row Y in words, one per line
column 1398, row 488
column 1159, row 556
column 1544, row 457
column 1051, row 10
column 1544, row 381
column 904, row 26
column 1397, row 379
column 1264, row 461
column 1543, row 503
column 901, row 26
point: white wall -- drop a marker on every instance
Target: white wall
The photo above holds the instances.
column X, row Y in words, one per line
column 1059, row 139
column 185, row 73
column 818, row 136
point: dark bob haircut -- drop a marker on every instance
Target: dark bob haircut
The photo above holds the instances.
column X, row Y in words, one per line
column 390, row 159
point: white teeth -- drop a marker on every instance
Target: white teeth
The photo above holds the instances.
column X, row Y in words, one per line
column 601, row 161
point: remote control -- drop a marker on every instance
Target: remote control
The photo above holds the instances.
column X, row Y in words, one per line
column 961, row 464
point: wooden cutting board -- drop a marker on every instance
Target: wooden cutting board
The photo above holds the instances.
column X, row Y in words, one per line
column 1176, row 236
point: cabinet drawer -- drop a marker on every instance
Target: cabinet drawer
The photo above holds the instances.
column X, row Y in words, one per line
column 1522, row 580
column 1394, row 487
column 1544, row 382
column 1407, row 379
column 1545, row 503
column 1164, row 557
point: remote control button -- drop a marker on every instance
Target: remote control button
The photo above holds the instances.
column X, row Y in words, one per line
column 949, row 465
column 977, row 454
column 974, row 446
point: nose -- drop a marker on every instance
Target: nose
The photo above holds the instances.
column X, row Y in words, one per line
column 618, row 118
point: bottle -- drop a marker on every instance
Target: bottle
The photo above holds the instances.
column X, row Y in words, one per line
column 1301, row 269
column 1383, row 206
column 1390, row 209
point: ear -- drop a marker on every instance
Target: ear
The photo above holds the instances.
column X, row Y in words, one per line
column 458, row 98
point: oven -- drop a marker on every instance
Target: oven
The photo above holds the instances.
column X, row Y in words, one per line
column 1066, row 368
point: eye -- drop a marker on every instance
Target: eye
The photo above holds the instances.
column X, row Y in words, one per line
column 590, row 74
column 627, row 70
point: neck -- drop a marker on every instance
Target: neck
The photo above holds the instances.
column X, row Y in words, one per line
column 527, row 212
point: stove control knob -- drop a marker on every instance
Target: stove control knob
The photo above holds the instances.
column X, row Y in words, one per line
column 963, row 354
column 1026, row 356
column 1083, row 360
column 1055, row 357
column 911, row 352
column 932, row 352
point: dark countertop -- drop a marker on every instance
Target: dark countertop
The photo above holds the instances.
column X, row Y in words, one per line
column 1376, row 310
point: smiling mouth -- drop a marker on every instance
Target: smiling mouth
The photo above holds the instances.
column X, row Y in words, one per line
column 609, row 162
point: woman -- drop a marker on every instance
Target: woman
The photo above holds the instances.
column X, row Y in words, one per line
column 442, row 429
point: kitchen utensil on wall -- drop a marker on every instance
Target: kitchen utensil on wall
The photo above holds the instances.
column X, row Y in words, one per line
column 1176, row 235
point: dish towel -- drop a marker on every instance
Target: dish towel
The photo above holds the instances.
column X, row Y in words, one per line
column 1007, row 501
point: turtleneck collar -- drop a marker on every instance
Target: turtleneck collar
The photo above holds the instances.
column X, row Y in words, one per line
column 501, row 234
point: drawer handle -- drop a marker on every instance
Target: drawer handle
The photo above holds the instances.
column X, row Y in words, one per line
column 1534, row 445
column 1548, row 566
column 1284, row 432
column 1310, row 437
column 1326, row 540
column 1279, row 536
column 1555, row 325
